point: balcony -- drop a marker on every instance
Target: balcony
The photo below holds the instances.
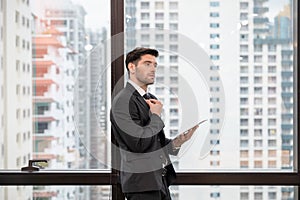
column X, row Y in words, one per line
column 46, row 93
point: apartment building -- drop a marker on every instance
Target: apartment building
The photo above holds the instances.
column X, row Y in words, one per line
column 16, row 91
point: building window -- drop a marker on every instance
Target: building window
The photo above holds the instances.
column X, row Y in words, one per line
column 258, row 143
column 214, row 35
column 214, row 14
column 272, row 143
column 257, row 132
column 214, row 46
column 244, row 153
column 214, row 25
column 272, row 132
column 173, row 16
column 145, row 16
column 173, row 26
column 272, row 58
column 214, row 152
column 214, row 57
column 173, row 59
column 258, row 153
column 17, row 16
column 214, row 131
column 244, row 122
column 173, row 5
column 215, row 194
column 244, row 143
column 214, row 67
column 258, row 164
column 17, row 41
column 214, row 4
column 159, row 5
column 214, row 142
column 145, row 5
column 174, row 37
column 244, row 196
column 145, row 26
column 159, row 16
column 244, row 132
column 215, row 163
column 244, row 164
column 159, row 26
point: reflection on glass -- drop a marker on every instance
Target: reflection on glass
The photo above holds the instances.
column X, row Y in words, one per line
column 234, row 66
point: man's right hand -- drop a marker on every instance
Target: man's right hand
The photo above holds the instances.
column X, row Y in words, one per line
column 155, row 106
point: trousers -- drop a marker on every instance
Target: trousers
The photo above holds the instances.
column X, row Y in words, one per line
column 163, row 194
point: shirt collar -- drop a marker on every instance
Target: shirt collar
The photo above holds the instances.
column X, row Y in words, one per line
column 140, row 90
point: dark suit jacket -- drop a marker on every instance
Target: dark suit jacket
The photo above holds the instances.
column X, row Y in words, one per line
column 142, row 143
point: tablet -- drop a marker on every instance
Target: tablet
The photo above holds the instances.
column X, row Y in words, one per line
column 185, row 132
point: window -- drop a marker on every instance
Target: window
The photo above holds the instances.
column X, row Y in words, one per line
column 159, row 5
column 214, row 14
column 159, row 26
column 173, row 26
column 173, row 16
column 279, row 59
column 173, row 5
column 159, row 16
column 214, row 25
column 145, row 5
column 17, row 16
column 214, row 4
column 145, row 16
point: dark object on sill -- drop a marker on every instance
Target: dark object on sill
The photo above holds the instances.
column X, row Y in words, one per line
column 31, row 168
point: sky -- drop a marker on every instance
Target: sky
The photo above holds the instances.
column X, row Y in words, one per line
column 98, row 11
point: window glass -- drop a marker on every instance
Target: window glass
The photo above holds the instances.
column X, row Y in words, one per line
column 235, row 68
column 54, row 90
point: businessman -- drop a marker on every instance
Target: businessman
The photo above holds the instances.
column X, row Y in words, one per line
column 146, row 170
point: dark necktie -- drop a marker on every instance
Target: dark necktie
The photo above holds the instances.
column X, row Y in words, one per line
column 149, row 96
column 146, row 96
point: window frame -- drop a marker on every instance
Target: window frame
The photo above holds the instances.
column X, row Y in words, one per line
column 96, row 177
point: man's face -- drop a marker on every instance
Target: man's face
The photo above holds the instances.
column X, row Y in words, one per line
column 144, row 72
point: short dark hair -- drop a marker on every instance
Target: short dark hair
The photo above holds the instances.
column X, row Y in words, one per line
column 135, row 55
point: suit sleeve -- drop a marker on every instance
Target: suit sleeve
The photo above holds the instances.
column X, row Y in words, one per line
column 126, row 118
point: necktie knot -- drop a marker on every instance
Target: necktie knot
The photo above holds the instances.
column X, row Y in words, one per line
column 146, row 96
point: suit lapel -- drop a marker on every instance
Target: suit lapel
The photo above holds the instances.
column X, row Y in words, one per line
column 136, row 95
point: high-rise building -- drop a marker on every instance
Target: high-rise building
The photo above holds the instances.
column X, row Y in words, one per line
column 16, row 91
column 266, row 93
column 52, row 97
column 96, row 66
column 97, row 63
column 68, row 18
column 83, row 91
